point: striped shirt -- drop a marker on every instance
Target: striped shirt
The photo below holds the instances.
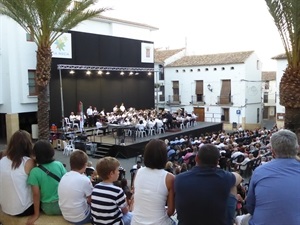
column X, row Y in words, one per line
column 107, row 201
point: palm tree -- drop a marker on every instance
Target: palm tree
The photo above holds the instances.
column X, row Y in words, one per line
column 46, row 21
column 286, row 15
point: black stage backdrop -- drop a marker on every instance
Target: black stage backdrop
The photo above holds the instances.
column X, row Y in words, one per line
column 102, row 91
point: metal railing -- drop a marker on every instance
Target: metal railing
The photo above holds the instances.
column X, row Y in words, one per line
column 225, row 100
column 196, row 99
column 174, row 99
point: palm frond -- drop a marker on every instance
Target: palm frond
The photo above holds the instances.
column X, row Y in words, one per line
column 286, row 15
column 46, row 20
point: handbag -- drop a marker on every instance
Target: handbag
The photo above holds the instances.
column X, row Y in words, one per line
column 49, row 173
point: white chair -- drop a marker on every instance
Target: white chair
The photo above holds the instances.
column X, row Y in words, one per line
column 160, row 129
column 182, row 126
column 68, row 148
column 75, row 125
column 68, row 123
column 140, row 132
column 151, row 131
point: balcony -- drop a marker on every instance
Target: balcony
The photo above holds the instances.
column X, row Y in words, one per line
column 269, row 102
column 174, row 100
column 161, row 98
column 225, row 100
column 197, row 100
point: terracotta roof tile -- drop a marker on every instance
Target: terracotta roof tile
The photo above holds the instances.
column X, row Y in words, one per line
column 161, row 55
column 268, row 75
column 280, row 56
column 212, row 59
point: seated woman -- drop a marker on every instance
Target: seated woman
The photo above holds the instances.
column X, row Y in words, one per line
column 44, row 185
column 15, row 165
column 153, row 188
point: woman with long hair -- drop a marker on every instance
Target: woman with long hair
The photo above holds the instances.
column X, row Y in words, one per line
column 15, row 165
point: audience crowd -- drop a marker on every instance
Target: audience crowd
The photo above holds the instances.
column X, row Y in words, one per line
column 221, row 176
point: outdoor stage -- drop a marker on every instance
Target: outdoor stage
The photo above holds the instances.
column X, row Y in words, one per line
column 135, row 146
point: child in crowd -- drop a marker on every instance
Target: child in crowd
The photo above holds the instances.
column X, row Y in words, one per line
column 74, row 191
column 109, row 205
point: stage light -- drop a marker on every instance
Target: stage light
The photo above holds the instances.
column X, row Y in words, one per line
column 149, row 73
column 100, row 72
column 136, row 73
column 122, row 73
column 72, row 71
column 107, row 73
column 131, row 73
column 88, row 72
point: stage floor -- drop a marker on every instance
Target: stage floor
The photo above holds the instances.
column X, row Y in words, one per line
column 199, row 128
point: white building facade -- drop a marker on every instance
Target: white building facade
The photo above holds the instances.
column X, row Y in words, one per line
column 218, row 88
column 280, row 110
column 18, row 57
column 269, row 89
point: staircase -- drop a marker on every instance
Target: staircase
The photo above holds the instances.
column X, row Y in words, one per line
column 103, row 149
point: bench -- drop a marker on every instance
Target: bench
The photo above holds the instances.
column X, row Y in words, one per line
column 42, row 220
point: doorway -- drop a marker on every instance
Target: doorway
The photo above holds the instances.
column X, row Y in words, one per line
column 200, row 112
column 225, row 115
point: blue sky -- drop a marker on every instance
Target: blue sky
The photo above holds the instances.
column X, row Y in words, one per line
column 207, row 26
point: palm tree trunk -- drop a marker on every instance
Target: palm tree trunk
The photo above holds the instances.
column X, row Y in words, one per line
column 43, row 68
column 292, row 119
column 43, row 113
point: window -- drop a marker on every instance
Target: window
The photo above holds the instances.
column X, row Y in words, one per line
column 176, row 91
column 32, row 86
column 223, row 68
column 199, row 90
column 206, row 69
column 161, row 73
column 257, row 64
column 215, row 69
column 232, row 68
column 183, row 70
column 162, row 96
column 199, row 70
column 267, row 85
column 29, row 38
column 191, row 70
column 225, row 97
column 266, row 95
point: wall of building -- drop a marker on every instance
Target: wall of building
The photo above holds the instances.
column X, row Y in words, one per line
column 17, row 56
column 281, row 66
column 246, row 96
column 107, row 27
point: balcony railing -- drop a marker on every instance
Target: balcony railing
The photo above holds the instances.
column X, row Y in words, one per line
column 269, row 101
column 174, row 99
column 195, row 99
column 161, row 98
column 225, row 100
